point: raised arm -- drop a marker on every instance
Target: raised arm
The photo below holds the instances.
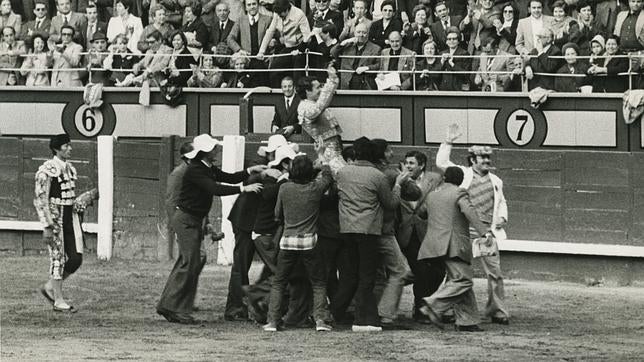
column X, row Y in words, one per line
column 312, row 111
column 445, row 149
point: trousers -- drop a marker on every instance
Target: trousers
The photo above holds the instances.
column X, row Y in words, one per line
column 495, row 306
column 396, row 272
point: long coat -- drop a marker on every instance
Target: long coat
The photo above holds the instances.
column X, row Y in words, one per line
column 449, row 216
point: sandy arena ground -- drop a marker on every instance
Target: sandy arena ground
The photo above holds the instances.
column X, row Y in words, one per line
column 117, row 321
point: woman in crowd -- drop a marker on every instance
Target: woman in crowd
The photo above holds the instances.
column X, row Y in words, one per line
column 159, row 24
column 193, row 27
column 454, row 80
column 418, row 32
column 126, row 24
column 180, row 61
column 36, row 64
column 605, row 73
column 573, row 72
column 8, row 17
column 208, row 75
column 239, row 78
column 586, row 27
column 119, row 62
column 426, row 81
column 564, row 28
column 506, row 28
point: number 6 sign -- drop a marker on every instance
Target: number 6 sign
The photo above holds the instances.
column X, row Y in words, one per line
column 88, row 121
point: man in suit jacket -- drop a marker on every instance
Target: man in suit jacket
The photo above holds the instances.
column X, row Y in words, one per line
column 66, row 55
column 285, row 120
column 492, row 60
column 380, row 29
column 391, row 64
column 92, row 26
column 222, row 28
column 450, row 214
column 411, row 229
column 443, row 22
column 360, row 11
column 530, row 27
column 358, row 45
column 40, row 24
column 606, row 15
column 66, row 17
column 323, row 14
column 486, row 193
column 631, row 38
column 246, row 38
column 543, row 63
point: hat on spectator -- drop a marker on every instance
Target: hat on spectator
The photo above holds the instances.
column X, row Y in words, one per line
column 283, row 152
column 480, row 150
column 274, row 142
column 98, row 36
column 599, row 40
column 570, row 45
column 204, row 143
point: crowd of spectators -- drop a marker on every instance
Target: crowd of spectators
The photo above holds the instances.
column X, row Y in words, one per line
column 453, row 45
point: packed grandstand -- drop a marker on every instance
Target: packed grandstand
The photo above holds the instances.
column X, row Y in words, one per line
column 455, row 45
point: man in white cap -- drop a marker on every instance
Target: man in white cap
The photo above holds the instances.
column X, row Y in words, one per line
column 486, row 194
column 200, row 183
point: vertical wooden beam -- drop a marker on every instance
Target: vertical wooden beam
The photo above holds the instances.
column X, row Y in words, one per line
column 105, row 159
column 166, row 165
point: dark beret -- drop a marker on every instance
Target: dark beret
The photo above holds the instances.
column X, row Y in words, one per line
column 57, row 141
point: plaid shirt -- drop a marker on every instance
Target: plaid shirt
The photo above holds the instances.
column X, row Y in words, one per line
column 299, row 242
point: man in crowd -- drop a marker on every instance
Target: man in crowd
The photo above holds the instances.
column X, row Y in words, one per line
column 66, row 55
column 285, row 120
column 40, row 25
column 490, row 61
column 92, row 26
column 482, row 19
column 544, row 62
column 221, row 29
column 323, row 14
column 66, row 17
column 530, row 28
column 156, row 59
column 247, row 34
column 397, row 59
column 380, row 29
column 360, row 12
column 412, row 226
column 450, row 214
column 362, row 48
column 443, row 22
column 292, row 28
column 485, row 191
column 11, row 51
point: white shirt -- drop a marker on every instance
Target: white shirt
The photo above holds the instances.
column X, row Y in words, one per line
column 376, row 13
column 253, row 19
column 537, row 27
column 289, row 100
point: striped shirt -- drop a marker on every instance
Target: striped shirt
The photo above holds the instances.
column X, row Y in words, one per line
column 481, row 193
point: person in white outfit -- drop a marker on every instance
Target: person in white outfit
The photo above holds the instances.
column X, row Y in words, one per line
column 486, row 193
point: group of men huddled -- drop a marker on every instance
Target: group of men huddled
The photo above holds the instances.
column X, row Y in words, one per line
column 348, row 228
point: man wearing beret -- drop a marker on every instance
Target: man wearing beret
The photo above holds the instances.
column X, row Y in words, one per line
column 201, row 182
column 486, row 193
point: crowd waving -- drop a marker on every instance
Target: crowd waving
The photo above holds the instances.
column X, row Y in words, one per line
column 454, row 45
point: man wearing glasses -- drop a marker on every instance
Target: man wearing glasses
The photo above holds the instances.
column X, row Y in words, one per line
column 40, row 25
column 66, row 17
column 66, row 55
column 323, row 15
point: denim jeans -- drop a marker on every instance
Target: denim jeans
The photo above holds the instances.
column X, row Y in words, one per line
column 315, row 268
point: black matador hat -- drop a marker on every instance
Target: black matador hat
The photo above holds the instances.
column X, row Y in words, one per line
column 57, row 141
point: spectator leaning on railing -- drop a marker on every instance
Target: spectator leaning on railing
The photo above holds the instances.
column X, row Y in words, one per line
column 430, row 62
column 155, row 60
column 543, row 62
column 397, row 60
column 119, row 62
column 36, row 64
column 605, row 71
column 573, row 66
column 66, row 55
column 95, row 59
column 490, row 61
column 11, row 51
column 353, row 66
column 207, row 75
column 177, row 73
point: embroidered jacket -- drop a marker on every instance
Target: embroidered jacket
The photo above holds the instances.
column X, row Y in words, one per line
column 315, row 117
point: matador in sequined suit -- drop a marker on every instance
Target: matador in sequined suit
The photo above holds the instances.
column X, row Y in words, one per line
column 318, row 121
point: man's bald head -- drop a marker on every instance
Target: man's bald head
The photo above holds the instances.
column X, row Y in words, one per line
column 395, row 40
column 361, row 33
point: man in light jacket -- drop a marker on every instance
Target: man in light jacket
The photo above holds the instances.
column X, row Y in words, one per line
column 486, row 193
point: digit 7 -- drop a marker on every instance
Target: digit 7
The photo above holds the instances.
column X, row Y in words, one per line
column 521, row 118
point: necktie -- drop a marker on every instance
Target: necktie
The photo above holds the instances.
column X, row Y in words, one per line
column 445, row 24
column 252, row 21
column 65, row 21
column 221, row 27
column 38, row 22
column 288, row 103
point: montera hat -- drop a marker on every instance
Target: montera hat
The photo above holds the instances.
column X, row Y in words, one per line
column 57, row 141
column 204, row 143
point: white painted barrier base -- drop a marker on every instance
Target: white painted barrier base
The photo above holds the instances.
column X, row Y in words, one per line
column 105, row 160
column 232, row 161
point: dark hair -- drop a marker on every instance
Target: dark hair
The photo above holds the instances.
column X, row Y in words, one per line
column 558, row 4
column 439, row 3
column 379, row 149
column 185, row 148
column 195, row 7
column 41, row 2
column 418, row 8
column 68, row 27
column 301, row 169
column 515, row 9
column 364, row 149
column 330, row 29
column 181, row 34
column 9, row 27
column 91, row 6
column 492, row 40
column 419, row 156
column 613, row 36
column 539, row 1
column 155, row 34
column 454, row 175
column 42, row 37
column 583, row 4
column 304, row 84
column 155, row 8
column 288, row 77
column 388, row 2
column 452, row 30
column 349, row 153
column 281, row 6
column 363, row 1
column 126, row 3
column 244, row 4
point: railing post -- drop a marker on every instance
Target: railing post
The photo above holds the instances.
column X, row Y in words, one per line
column 306, row 64
column 413, row 74
column 630, row 74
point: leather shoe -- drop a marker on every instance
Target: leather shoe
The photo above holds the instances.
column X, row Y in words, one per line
column 173, row 317
column 501, row 320
column 472, row 328
column 448, row 319
column 426, row 310
column 237, row 317
column 421, row 318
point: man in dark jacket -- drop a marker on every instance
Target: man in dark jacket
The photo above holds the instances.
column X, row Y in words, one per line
column 285, row 120
column 449, row 216
column 200, row 183
column 543, row 63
